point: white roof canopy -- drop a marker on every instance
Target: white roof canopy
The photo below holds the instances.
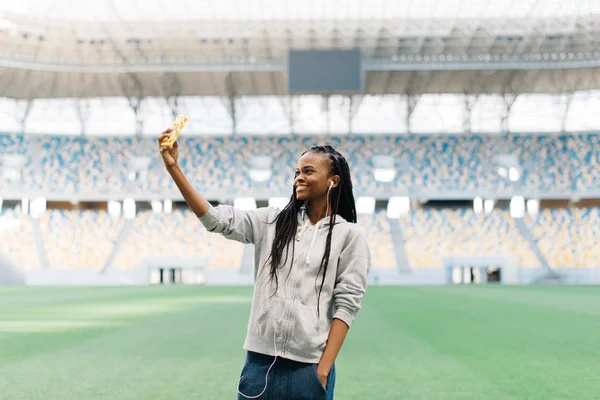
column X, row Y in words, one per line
column 135, row 48
column 286, row 10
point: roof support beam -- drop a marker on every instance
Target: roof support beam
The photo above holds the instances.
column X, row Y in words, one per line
column 287, row 104
column 470, row 101
column 23, row 111
column 231, row 102
column 411, row 103
column 369, row 65
column 173, row 104
column 568, row 102
column 83, row 113
column 509, row 100
column 354, row 103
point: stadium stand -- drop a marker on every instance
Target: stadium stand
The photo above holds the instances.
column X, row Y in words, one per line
column 558, row 163
column 13, row 144
column 187, row 238
column 377, row 228
column 79, row 239
column 434, row 164
column 432, row 234
column 568, row 237
column 16, row 146
column 19, row 241
column 94, row 234
column 179, row 233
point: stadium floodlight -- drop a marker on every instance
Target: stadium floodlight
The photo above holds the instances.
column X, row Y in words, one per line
column 114, row 208
column 38, row 207
column 168, row 206
column 488, row 206
column 513, row 174
column 365, row 205
column 25, row 205
column 478, row 205
column 245, row 203
column 398, row 206
column 157, row 206
column 533, row 207
column 129, row 209
column 502, row 172
column 517, row 207
column 278, row 202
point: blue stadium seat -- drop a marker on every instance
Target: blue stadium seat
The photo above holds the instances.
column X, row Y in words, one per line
column 431, row 164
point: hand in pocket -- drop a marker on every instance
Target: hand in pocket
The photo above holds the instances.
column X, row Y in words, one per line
column 322, row 376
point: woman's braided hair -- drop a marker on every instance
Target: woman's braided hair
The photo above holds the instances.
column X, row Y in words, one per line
column 342, row 203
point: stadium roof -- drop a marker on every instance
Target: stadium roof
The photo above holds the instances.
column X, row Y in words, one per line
column 68, row 48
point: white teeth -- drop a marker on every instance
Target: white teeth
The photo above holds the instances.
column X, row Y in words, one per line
column 300, row 187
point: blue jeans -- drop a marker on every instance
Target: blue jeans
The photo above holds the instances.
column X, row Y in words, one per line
column 287, row 380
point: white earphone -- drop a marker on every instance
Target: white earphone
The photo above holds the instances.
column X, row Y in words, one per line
column 331, row 185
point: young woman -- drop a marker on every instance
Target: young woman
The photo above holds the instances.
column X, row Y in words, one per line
column 311, row 266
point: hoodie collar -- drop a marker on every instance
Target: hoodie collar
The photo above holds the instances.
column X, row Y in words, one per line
column 303, row 218
column 304, row 223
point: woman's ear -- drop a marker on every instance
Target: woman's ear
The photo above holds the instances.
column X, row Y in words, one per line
column 336, row 181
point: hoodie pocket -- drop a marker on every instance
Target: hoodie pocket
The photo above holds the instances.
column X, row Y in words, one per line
column 307, row 331
column 271, row 312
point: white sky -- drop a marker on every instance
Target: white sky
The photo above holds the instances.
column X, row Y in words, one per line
column 434, row 114
column 111, row 10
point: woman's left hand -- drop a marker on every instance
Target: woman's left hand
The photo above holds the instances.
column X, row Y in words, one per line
column 322, row 376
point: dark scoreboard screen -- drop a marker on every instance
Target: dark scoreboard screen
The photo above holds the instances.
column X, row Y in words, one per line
column 325, row 71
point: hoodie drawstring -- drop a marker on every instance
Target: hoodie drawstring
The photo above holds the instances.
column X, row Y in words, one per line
column 315, row 233
column 312, row 242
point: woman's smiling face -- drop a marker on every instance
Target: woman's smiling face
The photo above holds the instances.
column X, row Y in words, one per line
column 313, row 175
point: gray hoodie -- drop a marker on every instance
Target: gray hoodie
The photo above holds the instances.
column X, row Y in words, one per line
column 286, row 324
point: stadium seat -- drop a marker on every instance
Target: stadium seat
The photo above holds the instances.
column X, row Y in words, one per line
column 79, row 239
column 568, row 238
column 18, row 241
column 217, row 164
column 432, row 234
column 178, row 234
column 377, row 228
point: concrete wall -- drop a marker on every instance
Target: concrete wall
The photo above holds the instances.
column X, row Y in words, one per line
column 581, row 276
column 85, row 277
column 113, row 277
column 10, row 272
column 415, row 277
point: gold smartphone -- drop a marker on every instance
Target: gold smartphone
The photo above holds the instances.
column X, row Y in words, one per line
column 178, row 125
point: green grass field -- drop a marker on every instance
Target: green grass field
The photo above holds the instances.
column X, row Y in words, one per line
column 429, row 343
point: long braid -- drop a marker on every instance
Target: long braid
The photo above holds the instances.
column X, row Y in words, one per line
column 340, row 167
column 285, row 230
column 287, row 222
